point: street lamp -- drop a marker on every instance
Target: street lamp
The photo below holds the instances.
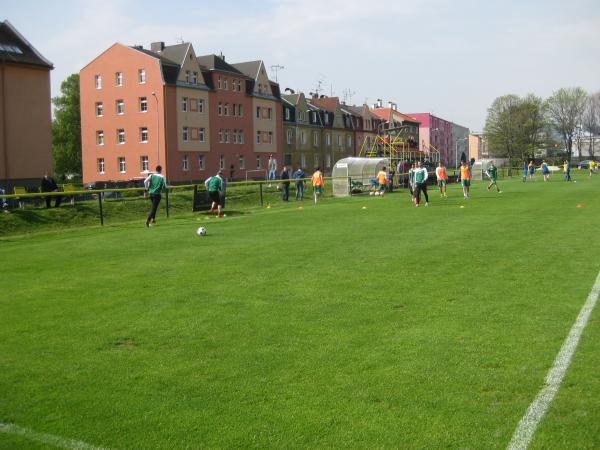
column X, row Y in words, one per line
column 157, row 130
column 456, row 151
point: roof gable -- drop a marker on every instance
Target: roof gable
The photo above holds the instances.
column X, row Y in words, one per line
column 15, row 48
column 213, row 62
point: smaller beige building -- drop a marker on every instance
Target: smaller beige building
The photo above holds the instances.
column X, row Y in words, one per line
column 25, row 115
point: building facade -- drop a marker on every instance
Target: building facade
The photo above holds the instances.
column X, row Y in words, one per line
column 25, row 114
column 165, row 105
column 338, row 131
column 460, row 143
column 303, row 135
column 437, row 133
column 231, row 121
column 128, row 114
column 266, row 111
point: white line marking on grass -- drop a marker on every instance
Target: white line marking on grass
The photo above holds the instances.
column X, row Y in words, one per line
column 528, row 424
column 9, row 428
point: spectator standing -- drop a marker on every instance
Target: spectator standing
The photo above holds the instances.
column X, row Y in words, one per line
column 49, row 185
column 299, row 177
column 272, row 166
column 285, row 184
column 154, row 184
column 3, row 202
column 567, row 170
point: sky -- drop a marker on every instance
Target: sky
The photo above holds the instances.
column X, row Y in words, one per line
column 449, row 58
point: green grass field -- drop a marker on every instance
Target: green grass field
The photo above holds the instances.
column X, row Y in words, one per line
column 324, row 327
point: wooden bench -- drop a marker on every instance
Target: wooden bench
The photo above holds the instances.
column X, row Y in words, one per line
column 20, row 190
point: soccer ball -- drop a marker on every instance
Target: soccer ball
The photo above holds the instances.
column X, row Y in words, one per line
column 201, row 231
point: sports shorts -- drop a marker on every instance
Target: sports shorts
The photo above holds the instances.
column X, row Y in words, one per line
column 214, row 196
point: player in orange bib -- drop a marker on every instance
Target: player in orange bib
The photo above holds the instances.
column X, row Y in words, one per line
column 381, row 181
column 442, row 178
column 317, row 183
column 465, row 178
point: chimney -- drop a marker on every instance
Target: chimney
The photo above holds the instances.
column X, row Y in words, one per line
column 138, row 47
column 157, row 46
column 390, row 104
column 379, row 102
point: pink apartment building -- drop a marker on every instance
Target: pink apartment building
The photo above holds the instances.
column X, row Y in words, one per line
column 437, row 133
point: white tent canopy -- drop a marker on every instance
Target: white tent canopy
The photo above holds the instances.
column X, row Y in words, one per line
column 355, row 170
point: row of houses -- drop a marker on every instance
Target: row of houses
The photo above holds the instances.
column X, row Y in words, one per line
column 196, row 114
column 193, row 114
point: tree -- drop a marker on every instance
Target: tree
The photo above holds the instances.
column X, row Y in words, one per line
column 531, row 125
column 514, row 126
column 66, row 128
column 591, row 120
column 565, row 111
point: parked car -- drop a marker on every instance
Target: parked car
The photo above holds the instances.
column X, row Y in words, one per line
column 585, row 164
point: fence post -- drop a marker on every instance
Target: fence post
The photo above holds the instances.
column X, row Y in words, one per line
column 167, row 201
column 260, row 185
column 100, row 207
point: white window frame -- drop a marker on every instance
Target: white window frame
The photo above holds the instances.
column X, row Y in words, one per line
column 287, row 114
column 143, row 104
column 225, row 84
column 327, row 139
column 221, row 162
column 184, row 104
column 100, row 166
column 185, row 134
column 144, row 135
column 120, row 107
column 315, row 139
column 100, row 137
column 258, row 136
column 201, row 105
column 289, row 136
column 98, row 81
column 118, row 78
column 144, row 163
column 195, row 77
column 141, row 76
column 122, row 164
column 242, row 162
column 200, row 162
column 226, row 109
column 258, row 162
column 120, row 134
column 99, row 109
column 270, row 137
column 185, row 163
column 201, row 134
